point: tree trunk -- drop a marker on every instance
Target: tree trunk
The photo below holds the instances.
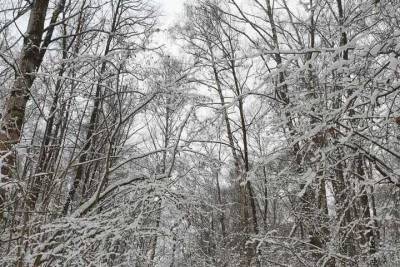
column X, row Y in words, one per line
column 14, row 112
column 90, row 135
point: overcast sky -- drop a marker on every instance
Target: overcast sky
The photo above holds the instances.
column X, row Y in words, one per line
column 171, row 10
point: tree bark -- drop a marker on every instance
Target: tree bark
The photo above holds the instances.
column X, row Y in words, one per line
column 13, row 115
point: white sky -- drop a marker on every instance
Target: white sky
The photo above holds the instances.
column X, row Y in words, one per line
column 171, row 9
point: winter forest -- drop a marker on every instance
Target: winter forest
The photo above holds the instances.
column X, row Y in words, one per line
column 245, row 133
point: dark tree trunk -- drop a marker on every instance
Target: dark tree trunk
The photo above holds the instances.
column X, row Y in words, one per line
column 14, row 112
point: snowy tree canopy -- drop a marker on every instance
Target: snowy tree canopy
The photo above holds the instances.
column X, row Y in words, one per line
column 241, row 133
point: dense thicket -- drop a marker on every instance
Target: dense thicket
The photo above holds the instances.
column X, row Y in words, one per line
column 266, row 133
